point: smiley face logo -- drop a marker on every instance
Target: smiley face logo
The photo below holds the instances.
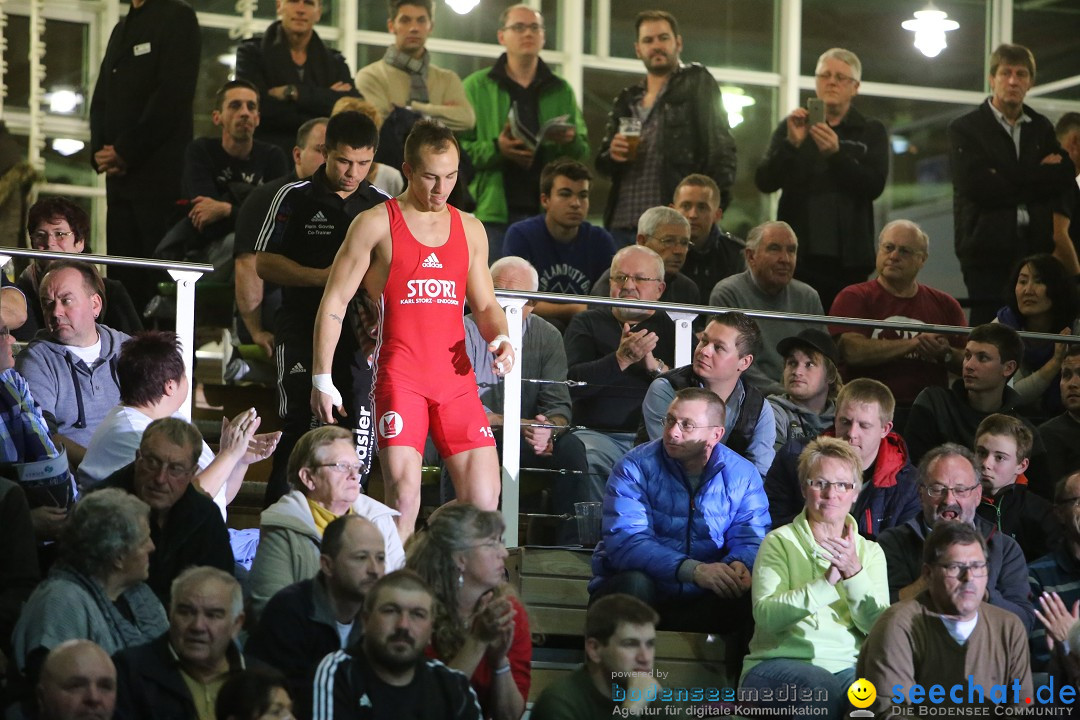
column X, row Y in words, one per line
column 862, row 693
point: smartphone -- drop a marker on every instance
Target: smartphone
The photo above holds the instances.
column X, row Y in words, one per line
column 816, row 107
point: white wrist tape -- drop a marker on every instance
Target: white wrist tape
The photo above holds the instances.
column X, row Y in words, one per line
column 499, row 340
column 324, row 384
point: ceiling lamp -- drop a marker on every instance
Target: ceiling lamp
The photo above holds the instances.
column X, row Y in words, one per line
column 67, row 146
column 63, row 101
column 930, row 26
column 461, row 7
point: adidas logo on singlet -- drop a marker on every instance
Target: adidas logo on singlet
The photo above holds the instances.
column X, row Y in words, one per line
column 318, row 217
column 431, row 262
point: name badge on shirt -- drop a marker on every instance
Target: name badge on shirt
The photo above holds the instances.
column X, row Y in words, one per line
column 142, row 49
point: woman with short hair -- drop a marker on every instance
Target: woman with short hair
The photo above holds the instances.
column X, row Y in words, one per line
column 97, row 590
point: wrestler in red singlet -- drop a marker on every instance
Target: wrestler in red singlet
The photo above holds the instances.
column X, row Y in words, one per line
column 422, row 372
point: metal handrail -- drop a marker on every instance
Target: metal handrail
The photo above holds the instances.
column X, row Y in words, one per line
column 683, row 317
column 184, row 273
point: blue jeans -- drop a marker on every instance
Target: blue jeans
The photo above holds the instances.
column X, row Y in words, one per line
column 780, row 674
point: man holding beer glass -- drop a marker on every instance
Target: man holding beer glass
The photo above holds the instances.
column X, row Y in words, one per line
column 662, row 129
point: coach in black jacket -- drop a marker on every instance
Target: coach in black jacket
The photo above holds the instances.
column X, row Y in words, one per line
column 1009, row 174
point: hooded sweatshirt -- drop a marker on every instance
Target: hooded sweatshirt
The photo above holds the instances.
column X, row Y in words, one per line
column 289, row 547
column 74, row 397
column 795, row 422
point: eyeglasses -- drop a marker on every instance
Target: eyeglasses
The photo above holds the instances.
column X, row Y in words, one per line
column 938, row 491
column 685, row 425
column 42, row 236
column 905, row 252
column 955, row 570
column 522, row 27
column 343, row 467
column 838, row 77
column 155, row 464
column 823, row 485
column 621, row 279
column 667, row 242
column 1073, row 502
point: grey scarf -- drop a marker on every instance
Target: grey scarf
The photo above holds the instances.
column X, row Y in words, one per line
column 417, row 69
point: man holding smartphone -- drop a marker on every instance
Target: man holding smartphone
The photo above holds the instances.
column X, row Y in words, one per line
column 831, row 162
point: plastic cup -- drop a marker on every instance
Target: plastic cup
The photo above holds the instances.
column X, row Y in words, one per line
column 589, row 515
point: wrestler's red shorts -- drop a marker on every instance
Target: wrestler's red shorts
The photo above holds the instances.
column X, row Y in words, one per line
column 457, row 423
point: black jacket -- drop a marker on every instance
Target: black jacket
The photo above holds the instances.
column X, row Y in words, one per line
column 347, row 688
column 195, row 534
column 829, row 202
column 989, row 181
column 1025, row 517
column 296, row 630
column 144, row 97
column 149, row 685
column 1007, row 583
column 266, row 62
column 696, row 134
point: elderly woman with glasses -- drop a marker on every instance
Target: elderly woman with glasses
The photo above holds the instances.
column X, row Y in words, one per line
column 818, row 586
column 97, row 590
column 324, row 471
column 481, row 628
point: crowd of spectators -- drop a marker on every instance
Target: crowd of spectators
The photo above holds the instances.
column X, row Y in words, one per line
column 838, row 501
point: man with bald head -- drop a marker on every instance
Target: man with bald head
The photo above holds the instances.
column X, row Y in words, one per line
column 906, row 361
column 306, row 621
column 78, row 682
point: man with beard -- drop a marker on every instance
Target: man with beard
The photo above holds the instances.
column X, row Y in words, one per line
column 305, row 622
column 683, row 129
column 387, row 671
column 948, row 636
column 950, row 492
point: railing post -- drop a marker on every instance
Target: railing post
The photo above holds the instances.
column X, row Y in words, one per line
column 684, row 336
column 185, row 327
column 511, row 433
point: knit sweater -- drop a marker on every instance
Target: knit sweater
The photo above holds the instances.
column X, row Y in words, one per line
column 385, row 87
column 909, row 645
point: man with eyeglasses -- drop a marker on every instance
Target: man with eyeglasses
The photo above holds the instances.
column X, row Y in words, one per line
column 950, row 493
column 768, row 283
column 186, row 526
column 948, row 636
column 1009, row 176
column 667, row 233
column 829, row 175
column 616, row 352
column 905, row 360
column 683, row 519
column 681, row 129
column 513, row 101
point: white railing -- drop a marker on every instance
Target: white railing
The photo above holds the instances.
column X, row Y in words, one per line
column 185, row 274
column 683, row 316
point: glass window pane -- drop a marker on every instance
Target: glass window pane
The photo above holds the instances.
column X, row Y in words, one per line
column 749, row 207
column 1040, row 27
column 66, row 165
column 66, row 65
column 17, row 57
column 727, row 33
column 887, row 51
column 217, row 46
column 478, row 25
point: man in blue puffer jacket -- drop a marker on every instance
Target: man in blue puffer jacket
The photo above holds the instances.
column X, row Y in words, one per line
column 683, row 519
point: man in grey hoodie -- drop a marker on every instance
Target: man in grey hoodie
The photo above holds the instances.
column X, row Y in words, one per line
column 811, row 381
column 70, row 365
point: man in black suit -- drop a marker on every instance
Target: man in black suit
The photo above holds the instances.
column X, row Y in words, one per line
column 140, row 124
column 1009, row 174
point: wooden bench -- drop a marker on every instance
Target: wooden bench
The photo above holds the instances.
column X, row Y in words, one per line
column 553, row 584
